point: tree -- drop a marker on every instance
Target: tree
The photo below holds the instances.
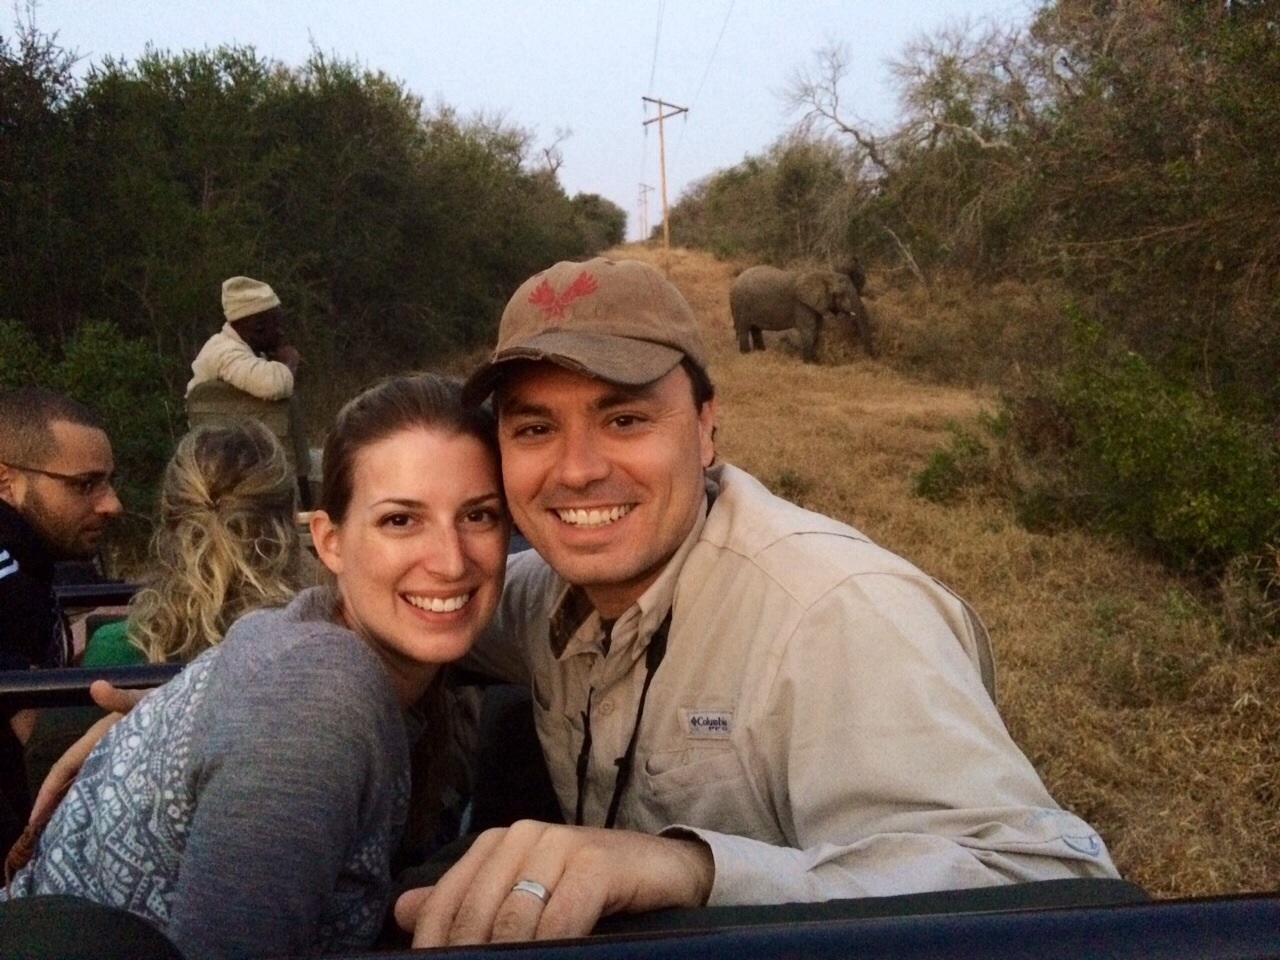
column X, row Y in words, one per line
column 778, row 207
column 601, row 222
column 35, row 86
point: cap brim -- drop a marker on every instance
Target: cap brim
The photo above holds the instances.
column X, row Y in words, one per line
column 620, row 360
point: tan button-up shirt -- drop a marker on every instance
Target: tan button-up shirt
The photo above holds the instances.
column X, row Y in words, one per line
column 820, row 718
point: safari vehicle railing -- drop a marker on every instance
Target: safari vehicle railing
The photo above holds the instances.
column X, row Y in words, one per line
column 69, row 686
column 1017, row 922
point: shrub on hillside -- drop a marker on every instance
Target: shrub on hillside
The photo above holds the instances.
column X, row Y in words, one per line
column 965, row 462
column 1160, row 463
column 122, row 381
column 962, row 331
column 1112, row 444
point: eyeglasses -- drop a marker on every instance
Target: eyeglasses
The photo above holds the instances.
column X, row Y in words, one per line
column 85, row 484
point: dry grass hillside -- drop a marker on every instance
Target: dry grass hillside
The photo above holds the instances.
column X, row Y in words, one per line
column 1113, row 678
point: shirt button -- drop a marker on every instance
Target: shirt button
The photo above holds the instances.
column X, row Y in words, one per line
column 606, row 708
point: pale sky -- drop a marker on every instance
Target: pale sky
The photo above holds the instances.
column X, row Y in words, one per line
column 555, row 64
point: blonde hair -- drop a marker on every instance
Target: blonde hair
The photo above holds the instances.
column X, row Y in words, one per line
column 227, row 542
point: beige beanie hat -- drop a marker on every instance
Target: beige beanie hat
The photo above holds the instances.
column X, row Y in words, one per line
column 244, row 296
column 619, row 321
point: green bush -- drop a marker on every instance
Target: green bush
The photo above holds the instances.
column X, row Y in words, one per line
column 21, row 359
column 1157, row 461
column 1112, row 444
column 122, row 382
column 964, row 462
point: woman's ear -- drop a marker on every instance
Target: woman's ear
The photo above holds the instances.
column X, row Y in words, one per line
column 324, row 537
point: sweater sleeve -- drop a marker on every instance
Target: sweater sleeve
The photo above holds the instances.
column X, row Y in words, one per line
column 298, row 778
column 265, row 379
column 230, row 359
column 911, row 784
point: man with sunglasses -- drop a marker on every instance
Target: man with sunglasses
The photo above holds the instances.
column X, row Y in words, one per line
column 55, row 500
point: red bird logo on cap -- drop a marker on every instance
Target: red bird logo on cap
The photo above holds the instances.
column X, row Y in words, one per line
column 554, row 305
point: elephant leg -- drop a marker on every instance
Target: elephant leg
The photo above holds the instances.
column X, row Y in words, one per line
column 757, row 338
column 866, row 332
column 744, row 339
column 807, row 323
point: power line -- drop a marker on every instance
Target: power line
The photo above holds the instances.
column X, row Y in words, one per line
column 705, row 73
column 657, row 35
column 714, row 51
column 645, row 190
column 653, row 70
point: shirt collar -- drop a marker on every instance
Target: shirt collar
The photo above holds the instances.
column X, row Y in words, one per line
column 575, row 624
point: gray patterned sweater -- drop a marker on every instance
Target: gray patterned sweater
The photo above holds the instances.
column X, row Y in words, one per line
column 250, row 806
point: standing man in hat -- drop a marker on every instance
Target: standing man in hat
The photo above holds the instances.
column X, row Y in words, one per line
column 739, row 701
column 250, row 352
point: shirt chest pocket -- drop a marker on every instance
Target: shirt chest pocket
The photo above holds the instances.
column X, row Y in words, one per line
column 706, row 787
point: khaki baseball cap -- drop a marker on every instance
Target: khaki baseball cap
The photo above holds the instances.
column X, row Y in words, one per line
column 619, row 321
column 243, row 297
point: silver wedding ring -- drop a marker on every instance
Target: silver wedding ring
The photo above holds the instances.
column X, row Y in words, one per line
column 531, row 886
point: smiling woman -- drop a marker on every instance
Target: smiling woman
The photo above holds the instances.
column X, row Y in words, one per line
column 417, row 550
column 171, row 816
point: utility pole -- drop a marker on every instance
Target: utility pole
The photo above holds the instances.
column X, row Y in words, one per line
column 662, row 156
column 644, row 212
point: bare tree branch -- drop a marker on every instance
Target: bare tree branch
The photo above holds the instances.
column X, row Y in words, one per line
column 552, row 155
column 816, row 93
column 906, row 255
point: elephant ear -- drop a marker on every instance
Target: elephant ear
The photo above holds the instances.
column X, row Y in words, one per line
column 813, row 289
column 844, row 293
column 852, row 268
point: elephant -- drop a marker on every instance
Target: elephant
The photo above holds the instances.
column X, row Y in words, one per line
column 767, row 298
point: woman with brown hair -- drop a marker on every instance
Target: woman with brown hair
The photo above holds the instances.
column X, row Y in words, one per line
column 250, row 806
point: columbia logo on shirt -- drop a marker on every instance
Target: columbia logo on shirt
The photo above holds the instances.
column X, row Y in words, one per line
column 8, row 564
column 707, row 724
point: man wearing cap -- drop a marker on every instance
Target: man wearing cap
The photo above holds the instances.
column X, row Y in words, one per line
column 250, row 352
column 739, row 701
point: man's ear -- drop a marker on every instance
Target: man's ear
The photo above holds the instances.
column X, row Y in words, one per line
column 324, row 537
column 707, row 432
column 8, row 484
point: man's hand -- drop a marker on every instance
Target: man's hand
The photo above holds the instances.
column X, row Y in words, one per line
column 113, row 700
column 588, row 873
column 65, row 768
column 288, row 355
column 22, row 723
